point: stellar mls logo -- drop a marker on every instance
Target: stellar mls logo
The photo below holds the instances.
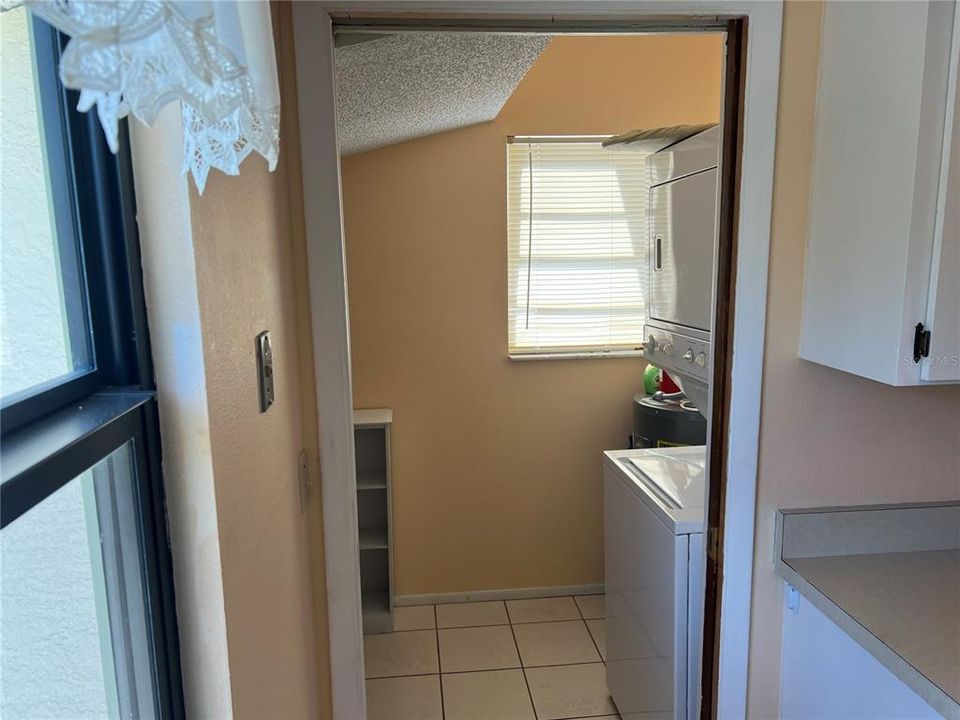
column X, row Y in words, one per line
column 941, row 360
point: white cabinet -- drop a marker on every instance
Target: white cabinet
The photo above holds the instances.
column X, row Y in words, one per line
column 883, row 250
column 824, row 673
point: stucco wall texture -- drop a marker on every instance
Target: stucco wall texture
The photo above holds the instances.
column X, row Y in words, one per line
column 35, row 346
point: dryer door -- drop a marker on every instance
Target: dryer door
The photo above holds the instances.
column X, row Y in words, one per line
column 682, row 233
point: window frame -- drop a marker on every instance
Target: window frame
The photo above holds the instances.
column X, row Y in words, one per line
column 559, row 353
column 94, row 210
column 52, row 433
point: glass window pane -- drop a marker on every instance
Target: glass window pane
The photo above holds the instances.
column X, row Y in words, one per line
column 74, row 640
column 44, row 330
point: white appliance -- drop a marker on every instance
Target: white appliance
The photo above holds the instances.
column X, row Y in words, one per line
column 682, row 215
column 654, row 558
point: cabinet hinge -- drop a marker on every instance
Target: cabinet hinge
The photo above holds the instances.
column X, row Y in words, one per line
column 921, row 343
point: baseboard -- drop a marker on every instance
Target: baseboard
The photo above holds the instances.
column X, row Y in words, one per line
column 500, row 594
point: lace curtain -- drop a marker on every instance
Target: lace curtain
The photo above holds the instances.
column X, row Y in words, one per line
column 215, row 57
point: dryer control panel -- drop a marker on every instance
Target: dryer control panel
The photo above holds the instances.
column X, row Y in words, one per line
column 678, row 353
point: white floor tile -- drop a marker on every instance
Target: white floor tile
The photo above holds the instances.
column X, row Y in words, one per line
column 404, row 698
column 497, row 694
column 598, row 631
column 542, row 610
column 555, row 643
column 591, row 606
column 401, row 653
column 570, row 691
column 417, row 617
column 473, row 614
column 482, row 648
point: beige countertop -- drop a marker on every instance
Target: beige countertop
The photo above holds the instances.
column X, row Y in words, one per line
column 909, row 601
column 888, row 576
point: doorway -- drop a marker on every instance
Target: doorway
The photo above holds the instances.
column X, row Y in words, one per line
column 331, row 336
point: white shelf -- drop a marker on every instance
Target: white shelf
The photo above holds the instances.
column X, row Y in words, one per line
column 372, row 481
column 373, row 539
column 375, row 606
column 372, row 417
column 372, row 437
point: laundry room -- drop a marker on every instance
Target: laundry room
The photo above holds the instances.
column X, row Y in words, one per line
column 530, row 238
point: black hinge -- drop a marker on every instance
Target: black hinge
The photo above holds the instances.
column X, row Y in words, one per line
column 921, row 343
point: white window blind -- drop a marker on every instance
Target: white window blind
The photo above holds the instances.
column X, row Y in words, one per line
column 577, row 247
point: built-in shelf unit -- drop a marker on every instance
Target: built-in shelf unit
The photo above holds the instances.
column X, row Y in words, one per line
column 371, row 432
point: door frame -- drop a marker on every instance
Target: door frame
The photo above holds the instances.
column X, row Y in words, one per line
column 313, row 36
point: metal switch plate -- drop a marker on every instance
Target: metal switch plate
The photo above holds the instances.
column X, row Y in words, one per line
column 265, row 370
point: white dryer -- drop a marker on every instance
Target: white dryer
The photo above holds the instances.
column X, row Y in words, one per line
column 654, row 556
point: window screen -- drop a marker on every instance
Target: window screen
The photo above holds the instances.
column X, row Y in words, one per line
column 577, row 247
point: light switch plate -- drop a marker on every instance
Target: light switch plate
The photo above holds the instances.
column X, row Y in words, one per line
column 265, row 370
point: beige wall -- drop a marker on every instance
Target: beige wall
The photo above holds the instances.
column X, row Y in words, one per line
column 231, row 268
column 826, row 437
column 496, row 463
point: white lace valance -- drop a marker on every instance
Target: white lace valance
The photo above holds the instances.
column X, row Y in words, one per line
column 215, row 57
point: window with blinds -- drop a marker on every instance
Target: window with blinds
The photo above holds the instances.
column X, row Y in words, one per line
column 577, row 247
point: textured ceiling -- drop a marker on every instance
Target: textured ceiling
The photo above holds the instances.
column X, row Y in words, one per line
column 405, row 86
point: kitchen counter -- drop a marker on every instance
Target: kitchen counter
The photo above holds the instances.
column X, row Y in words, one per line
column 890, row 578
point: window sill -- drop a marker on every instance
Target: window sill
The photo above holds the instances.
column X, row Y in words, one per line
column 524, row 357
column 41, row 457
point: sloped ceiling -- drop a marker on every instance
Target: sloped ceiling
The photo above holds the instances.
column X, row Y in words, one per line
column 405, row 86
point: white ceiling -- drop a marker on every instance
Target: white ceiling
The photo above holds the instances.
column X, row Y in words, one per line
column 400, row 87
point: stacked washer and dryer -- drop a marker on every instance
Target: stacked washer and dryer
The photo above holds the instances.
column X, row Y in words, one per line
column 654, row 498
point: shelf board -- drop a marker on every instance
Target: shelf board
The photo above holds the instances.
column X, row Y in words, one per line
column 372, row 481
column 373, row 539
column 375, row 606
column 372, row 417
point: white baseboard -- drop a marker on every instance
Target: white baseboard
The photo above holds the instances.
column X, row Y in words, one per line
column 501, row 594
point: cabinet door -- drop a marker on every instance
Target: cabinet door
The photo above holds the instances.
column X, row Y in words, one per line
column 826, row 674
column 881, row 106
column 943, row 310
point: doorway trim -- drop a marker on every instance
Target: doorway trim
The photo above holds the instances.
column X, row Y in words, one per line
column 313, row 26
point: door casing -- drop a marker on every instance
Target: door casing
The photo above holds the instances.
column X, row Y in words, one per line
column 734, row 420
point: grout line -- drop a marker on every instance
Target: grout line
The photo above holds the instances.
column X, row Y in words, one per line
column 474, row 627
column 510, row 623
column 572, row 599
column 603, row 660
column 436, row 634
column 587, row 626
column 498, row 669
column 523, row 669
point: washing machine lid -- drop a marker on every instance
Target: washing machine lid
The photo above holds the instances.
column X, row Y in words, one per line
column 672, row 480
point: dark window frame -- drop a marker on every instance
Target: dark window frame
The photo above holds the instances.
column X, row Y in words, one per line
column 52, row 433
column 94, row 209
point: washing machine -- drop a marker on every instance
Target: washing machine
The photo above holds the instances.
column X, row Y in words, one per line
column 654, row 560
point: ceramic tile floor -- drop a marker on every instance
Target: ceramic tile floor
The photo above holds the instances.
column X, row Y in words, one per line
column 540, row 659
